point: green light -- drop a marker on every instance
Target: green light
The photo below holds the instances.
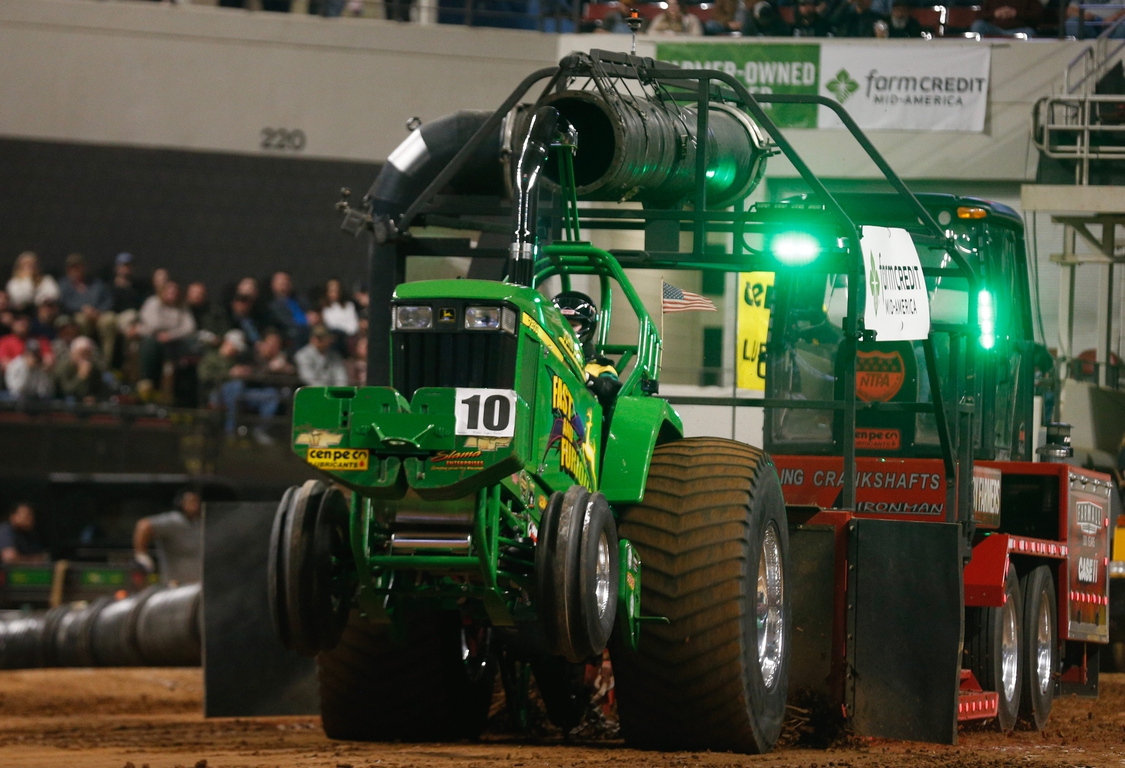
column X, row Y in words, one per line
column 795, row 249
column 986, row 314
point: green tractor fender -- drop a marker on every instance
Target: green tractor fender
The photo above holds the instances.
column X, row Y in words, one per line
column 638, row 424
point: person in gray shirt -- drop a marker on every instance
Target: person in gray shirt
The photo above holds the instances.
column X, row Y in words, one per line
column 179, row 538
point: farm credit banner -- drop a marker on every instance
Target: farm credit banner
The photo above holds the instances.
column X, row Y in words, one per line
column 883, row 85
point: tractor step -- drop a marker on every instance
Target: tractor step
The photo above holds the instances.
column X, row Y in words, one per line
column 975, row 704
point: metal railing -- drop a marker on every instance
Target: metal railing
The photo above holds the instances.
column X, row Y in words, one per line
column 1082, row 128
column 1088, row 66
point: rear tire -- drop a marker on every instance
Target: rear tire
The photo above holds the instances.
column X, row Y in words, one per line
column 1039, row 628
column 993, row 647
column 717, row 676
column 374, row 688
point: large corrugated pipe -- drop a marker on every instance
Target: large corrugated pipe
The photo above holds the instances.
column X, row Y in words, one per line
column 423, row 155
column 645, row 150
column 158, row 627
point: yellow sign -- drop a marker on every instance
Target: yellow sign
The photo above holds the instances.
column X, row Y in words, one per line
column 754, row 289
column 354, row 459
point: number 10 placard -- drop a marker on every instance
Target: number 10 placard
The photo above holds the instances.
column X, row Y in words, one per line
column 486, row 412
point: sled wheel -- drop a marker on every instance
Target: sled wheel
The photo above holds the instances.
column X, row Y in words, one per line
column 275, row 581
column 711, row 533
column 1039, row 628
column 416, row 688
column 992, row 650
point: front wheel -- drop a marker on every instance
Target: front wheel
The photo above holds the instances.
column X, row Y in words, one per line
column 714, row 545
column 1039, row 627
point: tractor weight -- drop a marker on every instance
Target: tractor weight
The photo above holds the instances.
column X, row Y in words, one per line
column 711, row 532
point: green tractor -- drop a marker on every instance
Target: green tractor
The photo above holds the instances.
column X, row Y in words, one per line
column 482, row 509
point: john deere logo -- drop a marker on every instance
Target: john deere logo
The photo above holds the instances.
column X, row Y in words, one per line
column 878, row 375
column 842, row 86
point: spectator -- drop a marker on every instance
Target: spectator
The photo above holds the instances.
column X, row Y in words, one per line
column 211, row 322
column 903, row 23
column 727, row 16
column 128, row 293
column 164, row 326
column 43, row 323
column 240, row 378
column 159, row 278
column 767, row 22
column 28, row 377
column 14, row 344
column 855, row 18
column 81, row 378
column 808, row 21
column 242, row 316
column 286, row 312
column 336, row 312
column 179, row 538
column 673, row 21
column 318, row 364
column 28, row 284
column 66, row 331
column 18, row 542
column 357, row 363
column 6, row 314
column 1094, row 21
column 89, row 302
column 1006, row 18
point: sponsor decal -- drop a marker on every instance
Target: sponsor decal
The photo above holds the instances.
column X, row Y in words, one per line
column 878, row 439
column 755, row 291
column 347, row 459
column 319, row 438
column 1088, row 516
column 914, row 487
column 456, row 460
column 573, row 354
column 878, row 378
column 897, row 305
column 842, row 86
column 569, row 435
column 986, row 496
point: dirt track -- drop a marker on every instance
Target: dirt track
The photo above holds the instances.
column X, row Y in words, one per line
column 111, row 718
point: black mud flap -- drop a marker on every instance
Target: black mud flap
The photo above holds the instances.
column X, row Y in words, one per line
column 247, row 672
column 905, row 608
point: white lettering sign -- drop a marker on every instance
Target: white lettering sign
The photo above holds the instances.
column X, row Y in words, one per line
column 898, row 307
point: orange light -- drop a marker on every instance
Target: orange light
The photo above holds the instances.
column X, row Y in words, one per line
column 971, row 213
column 1121, row 521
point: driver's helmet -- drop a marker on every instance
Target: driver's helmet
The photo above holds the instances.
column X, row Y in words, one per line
column 580, row 311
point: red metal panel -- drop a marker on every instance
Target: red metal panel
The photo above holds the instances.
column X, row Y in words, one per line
column 898, row 489
column 986, row 572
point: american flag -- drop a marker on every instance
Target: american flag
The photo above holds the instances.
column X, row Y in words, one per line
column 678, row 300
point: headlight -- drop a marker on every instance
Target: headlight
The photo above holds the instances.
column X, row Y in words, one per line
column 413, row 318
column 482, row 318
column 1117, row 568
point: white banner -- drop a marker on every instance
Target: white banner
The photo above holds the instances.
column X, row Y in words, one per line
column 890, row 86
column 898, row 305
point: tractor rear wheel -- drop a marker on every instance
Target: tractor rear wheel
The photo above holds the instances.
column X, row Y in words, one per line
column 424, row 686
column 711, row 533
column 992, row 647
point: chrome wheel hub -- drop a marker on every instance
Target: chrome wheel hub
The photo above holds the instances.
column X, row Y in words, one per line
column 602, row 575
column 1009, row 652
column 768, row 608
column 1043, row 647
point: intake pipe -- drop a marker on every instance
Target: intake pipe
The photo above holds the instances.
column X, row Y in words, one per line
column 533, row 154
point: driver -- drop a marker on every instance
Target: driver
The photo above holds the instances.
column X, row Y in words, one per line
column 582, row 314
